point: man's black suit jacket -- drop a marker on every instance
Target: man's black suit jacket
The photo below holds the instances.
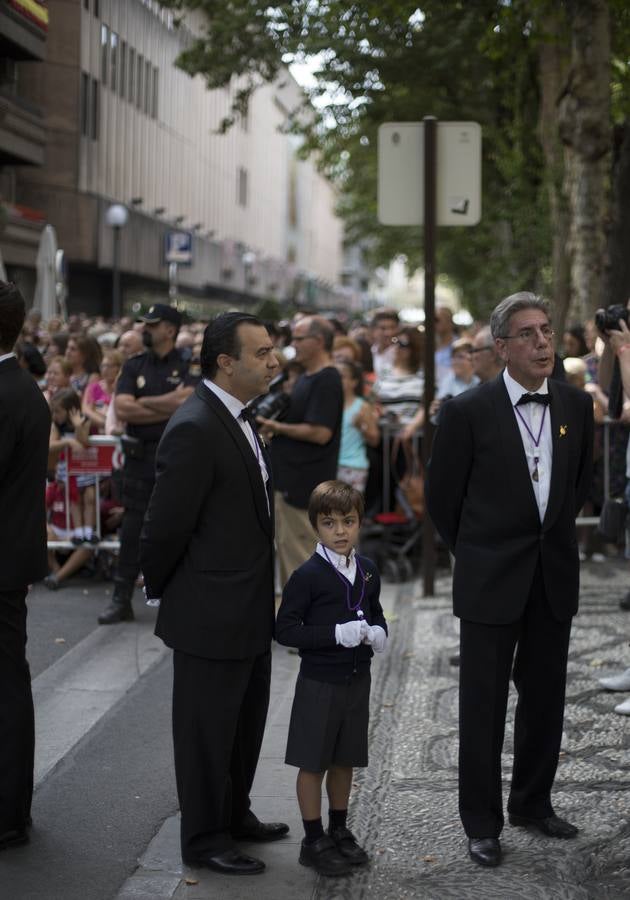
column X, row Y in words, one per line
column 481, row 499
column 207, row 543
column 24, row 438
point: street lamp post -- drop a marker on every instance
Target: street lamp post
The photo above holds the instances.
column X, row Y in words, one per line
column 116, row 217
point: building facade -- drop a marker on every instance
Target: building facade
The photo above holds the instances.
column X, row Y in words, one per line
column 124, row 125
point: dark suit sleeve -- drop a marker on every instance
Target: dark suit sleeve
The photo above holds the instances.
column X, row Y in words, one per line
column 184, row 473
column 290, row 628
column 376, row 616
column 585, row 467
column 448, row 471
column 8, row 441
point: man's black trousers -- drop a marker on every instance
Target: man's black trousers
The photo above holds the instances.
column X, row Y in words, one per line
column 540, row 665
column 219, row 713
column 17, row 730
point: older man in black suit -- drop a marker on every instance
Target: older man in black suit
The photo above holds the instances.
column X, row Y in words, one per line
column 24, row 434
column 207, row 553
column 510, row 470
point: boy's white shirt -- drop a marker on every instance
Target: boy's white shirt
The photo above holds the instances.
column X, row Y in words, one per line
column 346, row 565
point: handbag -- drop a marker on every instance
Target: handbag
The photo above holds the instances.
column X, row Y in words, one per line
column 612, row 519
column 410, row 490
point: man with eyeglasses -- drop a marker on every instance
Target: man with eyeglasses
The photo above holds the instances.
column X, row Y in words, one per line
column 510, row 470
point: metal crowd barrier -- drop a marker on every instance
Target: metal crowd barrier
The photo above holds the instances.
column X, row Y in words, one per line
column 99, row 458
column 607, row 424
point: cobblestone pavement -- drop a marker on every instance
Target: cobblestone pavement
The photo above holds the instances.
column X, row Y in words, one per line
column 406, row 802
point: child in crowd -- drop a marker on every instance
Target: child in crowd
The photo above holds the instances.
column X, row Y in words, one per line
column 331, row 611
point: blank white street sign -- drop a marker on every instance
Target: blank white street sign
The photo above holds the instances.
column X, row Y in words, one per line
column 401, row 179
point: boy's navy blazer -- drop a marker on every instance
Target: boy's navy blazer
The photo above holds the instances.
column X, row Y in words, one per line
column 207, row 540
column 481, row 499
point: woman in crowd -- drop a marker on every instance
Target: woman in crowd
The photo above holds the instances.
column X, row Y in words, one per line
column 399, row 393
column 84, row 355
column 359, row 428
column 57, row 376
column 98, row 394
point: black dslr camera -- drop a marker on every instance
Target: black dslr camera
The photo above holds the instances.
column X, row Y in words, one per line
column 608, row 319
column 275, row 404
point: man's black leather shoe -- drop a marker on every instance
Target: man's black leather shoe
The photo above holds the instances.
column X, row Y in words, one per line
column 230, row 862
column 348, row 846
column 13, row 838
column 261, row 831
column 485, row 851
column 323, row 856
column 552, row 826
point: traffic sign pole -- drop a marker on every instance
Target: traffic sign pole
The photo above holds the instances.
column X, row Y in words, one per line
column 430, row 242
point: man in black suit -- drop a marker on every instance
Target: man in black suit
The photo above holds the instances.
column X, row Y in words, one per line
column 24, row 434
column 207, row 553
column 509, row 472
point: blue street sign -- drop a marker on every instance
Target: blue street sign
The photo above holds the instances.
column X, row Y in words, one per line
column 178, row 248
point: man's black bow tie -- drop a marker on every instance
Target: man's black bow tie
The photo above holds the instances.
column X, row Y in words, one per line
column 247, row 416
column 534, row 398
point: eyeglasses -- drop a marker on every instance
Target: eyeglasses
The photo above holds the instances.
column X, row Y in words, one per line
column 530, row 335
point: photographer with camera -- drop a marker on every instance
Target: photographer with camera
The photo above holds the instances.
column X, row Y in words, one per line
column 305, row 444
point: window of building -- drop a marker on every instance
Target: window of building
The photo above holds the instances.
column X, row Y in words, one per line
column 86, row 5
column 85, row 101
column 140, row 81
column 131, row 93
column 154, row 99
column 113, row 59
column 94, row 117
column 241, row 186
column 97, row 10
column 122, row 76
column 104, row 53
column 148, row 86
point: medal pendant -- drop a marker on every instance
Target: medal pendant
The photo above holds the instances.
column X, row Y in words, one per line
column 535, row 474
column 359, row 613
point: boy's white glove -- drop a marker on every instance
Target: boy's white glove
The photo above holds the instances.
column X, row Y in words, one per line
column 376, row 637
column 350, row 634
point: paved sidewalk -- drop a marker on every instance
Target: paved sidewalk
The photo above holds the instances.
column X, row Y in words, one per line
column 404, row 806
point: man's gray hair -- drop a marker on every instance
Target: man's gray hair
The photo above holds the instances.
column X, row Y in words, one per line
column 501, row 315
column 318, row 326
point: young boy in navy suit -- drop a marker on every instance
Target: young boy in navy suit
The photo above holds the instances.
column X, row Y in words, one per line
column 331, row 611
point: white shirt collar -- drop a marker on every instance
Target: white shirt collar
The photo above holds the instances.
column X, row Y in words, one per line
column 516, row 390
column 232, row 403
column 338, row 560
column 7, row 356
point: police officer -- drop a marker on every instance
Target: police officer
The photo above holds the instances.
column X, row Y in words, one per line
column 151, row 387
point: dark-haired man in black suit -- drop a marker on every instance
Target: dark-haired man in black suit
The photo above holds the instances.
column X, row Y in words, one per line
column 24, row 434
column 207, row 553
column 510, row 470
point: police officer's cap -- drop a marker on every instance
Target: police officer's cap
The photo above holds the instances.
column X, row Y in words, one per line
column 162, row 312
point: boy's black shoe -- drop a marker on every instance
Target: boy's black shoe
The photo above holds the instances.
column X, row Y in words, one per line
column 347, row 845
column 323, row 856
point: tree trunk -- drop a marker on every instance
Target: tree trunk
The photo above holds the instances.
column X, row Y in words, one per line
column 585, row 128
column 617, row 282
column 553, row 66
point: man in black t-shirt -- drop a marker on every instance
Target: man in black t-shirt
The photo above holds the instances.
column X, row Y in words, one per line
column 305, row 444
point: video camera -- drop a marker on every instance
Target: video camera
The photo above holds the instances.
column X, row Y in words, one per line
column 608, row 319
column 275, row 404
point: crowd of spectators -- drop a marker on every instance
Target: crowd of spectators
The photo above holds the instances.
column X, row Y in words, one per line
column 347, row 382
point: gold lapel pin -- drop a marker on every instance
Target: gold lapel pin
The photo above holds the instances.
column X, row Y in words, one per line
column 563, row 430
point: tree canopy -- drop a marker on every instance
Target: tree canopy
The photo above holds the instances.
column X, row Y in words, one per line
column 395, row 61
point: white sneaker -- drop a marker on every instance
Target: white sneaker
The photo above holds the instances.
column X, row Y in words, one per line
column 617, row 682
column 623, row 708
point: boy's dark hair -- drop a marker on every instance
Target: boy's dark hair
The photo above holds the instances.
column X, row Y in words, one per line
column 220, row 337
column 67, row 399
column 12, row 315
column 334, row 496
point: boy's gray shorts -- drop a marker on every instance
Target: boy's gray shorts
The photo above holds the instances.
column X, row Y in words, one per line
column 329, row 724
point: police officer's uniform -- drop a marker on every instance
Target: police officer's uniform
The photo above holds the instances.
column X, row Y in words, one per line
column 143, row 375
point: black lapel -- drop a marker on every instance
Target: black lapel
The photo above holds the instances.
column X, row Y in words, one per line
column 560, row 454
column 251, row 463
column 521, row 488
